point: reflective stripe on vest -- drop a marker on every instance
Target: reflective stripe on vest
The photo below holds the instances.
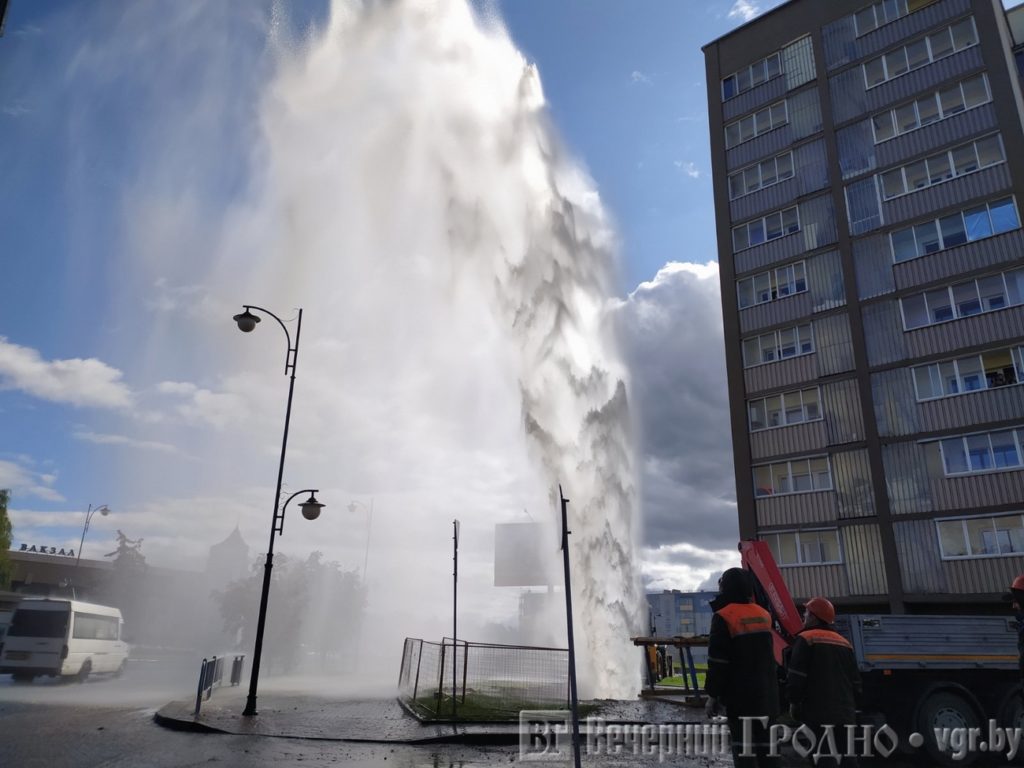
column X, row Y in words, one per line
column 745, row 618
column 825, row 637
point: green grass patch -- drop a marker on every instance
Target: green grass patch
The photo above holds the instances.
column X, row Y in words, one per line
column 484, row 707
column 677, row 680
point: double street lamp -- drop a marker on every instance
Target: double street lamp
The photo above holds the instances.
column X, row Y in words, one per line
column 247, row 322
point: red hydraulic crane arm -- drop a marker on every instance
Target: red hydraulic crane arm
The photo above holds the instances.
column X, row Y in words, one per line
column 771, row 593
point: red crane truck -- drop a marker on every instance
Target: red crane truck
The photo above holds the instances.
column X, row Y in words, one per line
column 921, row 674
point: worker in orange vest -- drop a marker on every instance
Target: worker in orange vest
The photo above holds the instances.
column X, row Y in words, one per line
column 742, row 675
column 1016, row 598
column 823, row 683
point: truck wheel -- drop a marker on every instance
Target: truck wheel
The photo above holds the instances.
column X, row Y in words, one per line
column 1011, row 715
column 946, row 709
column 83, row 673
column 22, row 677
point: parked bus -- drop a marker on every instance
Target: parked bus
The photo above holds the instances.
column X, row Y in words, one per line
column 63, row 638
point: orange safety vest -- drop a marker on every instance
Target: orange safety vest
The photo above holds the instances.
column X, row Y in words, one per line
column 825, row 636
column 745, row 618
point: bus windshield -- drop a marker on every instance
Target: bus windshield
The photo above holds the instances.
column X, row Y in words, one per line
column 35, row 623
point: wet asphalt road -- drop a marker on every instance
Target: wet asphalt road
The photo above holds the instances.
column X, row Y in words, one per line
column 109, row 723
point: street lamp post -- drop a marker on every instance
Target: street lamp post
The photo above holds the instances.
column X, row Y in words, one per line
column 352, row 507
column 104, row 510
column 246, row 323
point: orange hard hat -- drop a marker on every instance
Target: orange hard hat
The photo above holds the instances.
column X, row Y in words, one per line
column 1018, row 583
column 821, row 608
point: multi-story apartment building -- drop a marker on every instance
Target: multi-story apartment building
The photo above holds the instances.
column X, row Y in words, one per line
column 681, row 614
column 868, row 178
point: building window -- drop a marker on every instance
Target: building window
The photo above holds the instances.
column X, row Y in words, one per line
column 874, row 16
column 912, row 115
column 920, row 53
column 985, row 452
column 759, row 123
column 805, row 547
column 955, row 302
column 769, row 286
column 981, row 536
column 936, row 169
column 784, row 410
column 961, row 227
column 777, row 345
column 771, row 227
column 761, row 175
column 796, row 476
column 750, row 77
column 989, row 370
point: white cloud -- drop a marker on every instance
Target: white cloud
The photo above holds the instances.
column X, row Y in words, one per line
column 688, row 168
column 79, row 382
column 103, row 439
column 218, row 409
column 639, row 77
column 23, row 481
column 671, row 331
column 17, row 109
column 176, row 388
column 744, row 9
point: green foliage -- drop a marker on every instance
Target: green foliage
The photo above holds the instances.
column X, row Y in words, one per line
column 314, row 614
column 6, row 567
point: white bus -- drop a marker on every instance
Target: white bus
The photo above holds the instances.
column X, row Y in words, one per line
column 63, row 638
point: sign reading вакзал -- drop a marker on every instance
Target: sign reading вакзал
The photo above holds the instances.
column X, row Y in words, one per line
column 44, row 550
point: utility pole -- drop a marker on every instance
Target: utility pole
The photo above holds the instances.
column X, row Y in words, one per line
column 455, row 613
column 573, row 698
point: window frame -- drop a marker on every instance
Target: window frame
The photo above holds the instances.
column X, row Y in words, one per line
column 761, row 185
column 773, row 283
column 966, row 536
column 875, row 7
column 932, row 58
column 778, row 344
column 948, row 153
column 785, row 423
column 943, row 115
column 953, row 306
column 750, row 70
column 752, row 116
column 789, row 476
column 795, row 532
column 912, row 228
column 1016, row 361
column 763, row 221
column 1018, row 440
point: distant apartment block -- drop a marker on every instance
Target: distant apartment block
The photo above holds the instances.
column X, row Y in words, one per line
column 681, row 614
column 868, row 171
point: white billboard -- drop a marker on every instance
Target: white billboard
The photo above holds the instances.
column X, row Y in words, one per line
column 523, row 554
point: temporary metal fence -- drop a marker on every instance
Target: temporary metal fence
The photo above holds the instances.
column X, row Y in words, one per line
column 481, row 681
column 211, row 675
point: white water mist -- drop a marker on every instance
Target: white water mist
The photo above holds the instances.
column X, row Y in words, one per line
column 425, row 136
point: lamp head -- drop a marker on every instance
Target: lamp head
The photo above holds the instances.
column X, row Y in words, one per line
column 246, row 321
column 104, row 510
column 311, row 508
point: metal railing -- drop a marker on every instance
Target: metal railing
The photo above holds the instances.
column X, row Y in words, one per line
column 481, row 681
column 211, row 675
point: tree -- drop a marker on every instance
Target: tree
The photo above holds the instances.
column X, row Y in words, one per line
column 128, row 584
column 6, row 566
column 313, row 618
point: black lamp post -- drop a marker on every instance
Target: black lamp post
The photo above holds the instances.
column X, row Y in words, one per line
column 310, row 509
column 104, row 510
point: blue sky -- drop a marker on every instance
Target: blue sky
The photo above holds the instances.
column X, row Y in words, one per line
column 98, row 107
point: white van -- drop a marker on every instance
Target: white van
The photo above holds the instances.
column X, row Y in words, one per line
column 63, row 638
